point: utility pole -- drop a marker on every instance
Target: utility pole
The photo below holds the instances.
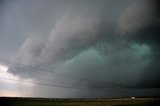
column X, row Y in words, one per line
column 119, row 85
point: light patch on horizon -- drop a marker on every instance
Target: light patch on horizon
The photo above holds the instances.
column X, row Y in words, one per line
column 7, row 93
column 12, row 86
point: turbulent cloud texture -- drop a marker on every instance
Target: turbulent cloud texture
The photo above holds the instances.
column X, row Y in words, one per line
column 108, row 41
column 137, row 16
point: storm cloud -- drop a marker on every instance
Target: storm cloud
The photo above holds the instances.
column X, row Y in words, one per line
column 108, row 41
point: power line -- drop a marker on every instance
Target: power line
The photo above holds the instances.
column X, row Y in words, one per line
column 62, row 86
column 71, row 76
column 57, row 73
column 48, row 74
column 41, row 79
column 23, row 69
column 31, row 68
column 69, row 87
column 37, row 77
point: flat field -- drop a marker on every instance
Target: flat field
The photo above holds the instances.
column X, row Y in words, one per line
column 16, row 101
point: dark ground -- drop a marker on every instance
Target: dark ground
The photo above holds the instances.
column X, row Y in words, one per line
column 18, row 101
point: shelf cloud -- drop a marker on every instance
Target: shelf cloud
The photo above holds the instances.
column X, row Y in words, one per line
column 110, row 41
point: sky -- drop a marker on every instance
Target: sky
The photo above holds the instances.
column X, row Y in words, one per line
column 79, row 48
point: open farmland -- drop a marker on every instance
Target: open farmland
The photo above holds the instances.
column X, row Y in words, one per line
column 7, row 101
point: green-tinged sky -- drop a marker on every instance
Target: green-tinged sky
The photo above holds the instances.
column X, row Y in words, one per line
column 79, row 48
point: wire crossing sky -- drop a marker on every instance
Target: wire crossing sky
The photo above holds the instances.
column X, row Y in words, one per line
column 79, row 46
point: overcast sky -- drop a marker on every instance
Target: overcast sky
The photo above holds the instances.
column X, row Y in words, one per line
column 79, row 48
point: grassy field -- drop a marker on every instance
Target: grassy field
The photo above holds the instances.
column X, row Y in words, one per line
column 6, row 101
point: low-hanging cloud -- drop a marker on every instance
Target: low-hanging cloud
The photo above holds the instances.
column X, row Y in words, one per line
column 69, row 36
column 95, row 43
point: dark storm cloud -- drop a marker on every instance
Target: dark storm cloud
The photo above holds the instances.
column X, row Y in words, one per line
column 111, row 41
column 144, row 29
